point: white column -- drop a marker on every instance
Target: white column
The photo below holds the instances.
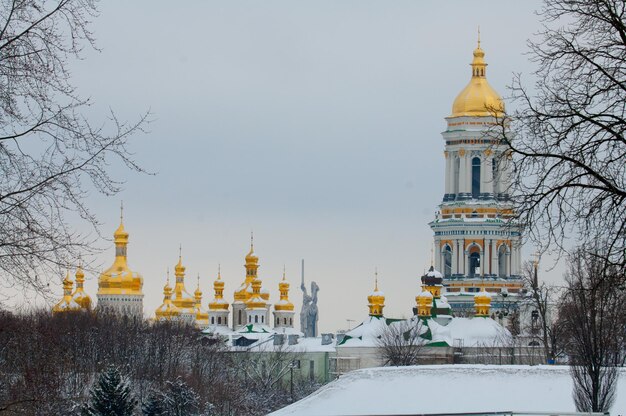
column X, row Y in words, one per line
column 494, row 258
column 488, row 176
column 464, row 253
column 482, row 260
column 506, row 175
column 483, row 174
column 463, row 174
column 455, row 252
column 438, row 259
column 516, row 258
column 448, row 173
column 468, row 170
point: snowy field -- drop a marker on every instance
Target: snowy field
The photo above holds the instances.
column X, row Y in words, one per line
column 447, row 389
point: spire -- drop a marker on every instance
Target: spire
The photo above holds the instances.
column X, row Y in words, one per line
column 376, row 279
column 478, row 36
column 179, row 269
column 120, row 236
column 167, row 288
column 198, row 292
column 376, row 299
column 284, row 304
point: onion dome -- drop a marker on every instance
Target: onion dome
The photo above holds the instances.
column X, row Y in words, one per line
column 256, row 301
column 433, row 282
column 244, row 292
column 119, row 279
column 183, row 300
column 218, row 303
column 284, row 304
column 67, row 304
column 424, row 304
column 478, row 98
column 79, row 294
column 482, row 303
column 376, row 300
column 167, row 311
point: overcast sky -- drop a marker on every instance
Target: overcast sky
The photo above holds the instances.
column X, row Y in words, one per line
column 316, row 124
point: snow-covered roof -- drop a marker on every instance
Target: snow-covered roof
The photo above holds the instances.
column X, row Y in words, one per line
column 434, row 273
column 483, row 294
column 218, row 330
column 479, row 332
column 369, row 331
column 449, row 389
column 426, row 294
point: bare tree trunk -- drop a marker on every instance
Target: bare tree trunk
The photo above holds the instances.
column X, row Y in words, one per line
column 594, row 317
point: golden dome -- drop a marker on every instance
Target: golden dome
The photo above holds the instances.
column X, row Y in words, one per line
column 284, row 304
column 119, row 279
column 79, row 294
column 482, row 303
column 67, row 304
column 478, row 98
column 218, row 302
column 183, row 300
column 376, row 300
column 256, row 301
column 167, row 311
column 244, row 292
column 251, row 258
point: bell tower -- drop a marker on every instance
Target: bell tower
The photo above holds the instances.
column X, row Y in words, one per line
column 477, row 241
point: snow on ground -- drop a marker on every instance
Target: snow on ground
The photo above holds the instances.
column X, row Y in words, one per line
column 446, row 389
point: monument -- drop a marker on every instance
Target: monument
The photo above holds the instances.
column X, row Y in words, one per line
column 308, row 314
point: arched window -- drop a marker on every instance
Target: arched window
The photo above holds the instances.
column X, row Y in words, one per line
column 285, row 321
column 256, row 319
column 474, row 264
column 447, row 261
column 277, row 321
column 219, row 320
column 262, row 319
column 476, row 177
column 290, row 321
column 239, row 317
column 502, row 263
column 212, row 320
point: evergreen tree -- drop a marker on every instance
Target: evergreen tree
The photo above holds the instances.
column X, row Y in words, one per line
column 111, row 396
column 154, row 405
